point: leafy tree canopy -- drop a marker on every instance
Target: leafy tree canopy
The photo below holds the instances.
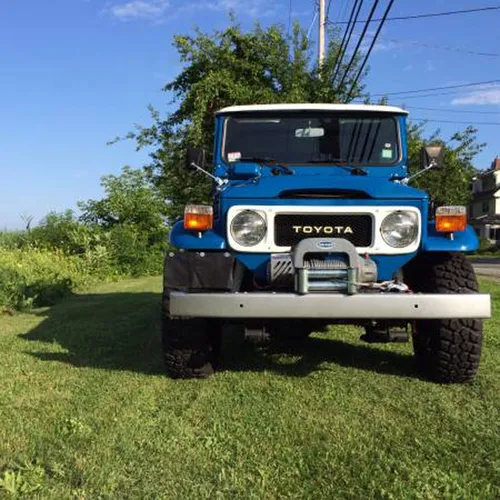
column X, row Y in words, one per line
column 231, row 67
column 234, row 67
column 451, row 185
column 130, row 199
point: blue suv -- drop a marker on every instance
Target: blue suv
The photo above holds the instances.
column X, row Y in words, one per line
column 313, row 223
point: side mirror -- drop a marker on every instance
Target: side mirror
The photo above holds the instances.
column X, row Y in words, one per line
column 432, row 157
column 195, row 156
column 196, row 161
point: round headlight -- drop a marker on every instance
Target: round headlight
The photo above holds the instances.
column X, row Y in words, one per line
column 400, row 229
column 248, row 228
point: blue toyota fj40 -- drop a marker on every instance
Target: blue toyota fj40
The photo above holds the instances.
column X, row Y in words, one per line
column 313, row 223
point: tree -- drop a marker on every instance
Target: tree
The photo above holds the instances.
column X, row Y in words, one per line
column 131, row 217
column 234, row 67
column 451, row 185
column 130, row 198
column 231, row 67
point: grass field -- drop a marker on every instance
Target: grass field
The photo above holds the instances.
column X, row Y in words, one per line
column 85, row 412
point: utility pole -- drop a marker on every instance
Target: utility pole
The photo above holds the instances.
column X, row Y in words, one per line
column 322, row 23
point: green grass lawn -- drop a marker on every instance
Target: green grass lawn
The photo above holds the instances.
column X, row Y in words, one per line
column 85, row 412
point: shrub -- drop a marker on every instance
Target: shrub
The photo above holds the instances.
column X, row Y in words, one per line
column 64, row 232
column 123, row 234
column 486, row 246
column 132, row 251
column 14, row 239
column 38, row 277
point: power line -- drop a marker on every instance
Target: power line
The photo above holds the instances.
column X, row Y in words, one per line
column 346, row 38
column 341, row 6
column 442, row 47
column 435, row 94
column 360, row 41
column 437, row 14
column 309, row 31
column 344, row 10
column 456, row 110
column 464, row 85
column 454, row 122
column 367, row 55
column 328, row 9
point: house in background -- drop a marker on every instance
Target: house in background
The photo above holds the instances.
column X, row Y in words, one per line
column 484, row 210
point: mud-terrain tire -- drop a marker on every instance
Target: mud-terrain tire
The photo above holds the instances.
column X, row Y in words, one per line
column 448, row 350
column 191, row 346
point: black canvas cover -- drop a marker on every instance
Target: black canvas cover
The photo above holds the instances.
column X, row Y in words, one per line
column 198, row 271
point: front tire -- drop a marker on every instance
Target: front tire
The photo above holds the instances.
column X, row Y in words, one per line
column 191, row 346
column 447, row 351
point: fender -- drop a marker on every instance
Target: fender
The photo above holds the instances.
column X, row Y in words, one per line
column 189, row 240
column 466, row 241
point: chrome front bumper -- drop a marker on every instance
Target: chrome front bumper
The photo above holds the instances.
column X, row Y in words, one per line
column 330, row 306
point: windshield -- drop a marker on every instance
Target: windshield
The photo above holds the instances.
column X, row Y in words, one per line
column 308, row 138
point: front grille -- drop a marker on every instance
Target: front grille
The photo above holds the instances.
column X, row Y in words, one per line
column 289, row 229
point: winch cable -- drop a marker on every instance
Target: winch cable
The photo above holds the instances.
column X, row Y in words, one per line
column 358, row 46
column 367, row 55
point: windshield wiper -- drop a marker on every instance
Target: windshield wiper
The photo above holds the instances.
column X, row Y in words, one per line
column 331, row 160
column 268, row 162
column 337, row 162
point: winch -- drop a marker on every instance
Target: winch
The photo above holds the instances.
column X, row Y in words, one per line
column 322, row 265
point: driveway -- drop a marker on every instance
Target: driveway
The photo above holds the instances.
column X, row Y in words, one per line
column 487, row 267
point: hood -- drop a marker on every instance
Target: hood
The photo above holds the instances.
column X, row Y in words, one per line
column 290, row 186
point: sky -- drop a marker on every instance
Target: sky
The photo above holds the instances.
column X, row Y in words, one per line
column 74, row 74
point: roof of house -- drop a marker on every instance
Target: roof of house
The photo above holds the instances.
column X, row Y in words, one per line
column 495, row 167
column 314, row 107
column 486, row 219
column 485, row 195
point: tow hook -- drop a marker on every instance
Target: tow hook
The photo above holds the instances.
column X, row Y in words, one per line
column 257, row 336
column 384, row 333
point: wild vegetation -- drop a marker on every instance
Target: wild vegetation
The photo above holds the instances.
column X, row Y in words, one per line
column 124, row 234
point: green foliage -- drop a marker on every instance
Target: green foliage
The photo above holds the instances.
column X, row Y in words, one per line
column 123, row 234
column 22, row 481
column 232, row 67
column 451, row 185
column 129, row 198
column 131, row 215
column 133, row 252
column 486, row 246
column 64, row 232
column 39, row 277
column 13, row 239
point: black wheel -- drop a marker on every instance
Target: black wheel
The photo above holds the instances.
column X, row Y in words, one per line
column 447, row 351
column 191, row 346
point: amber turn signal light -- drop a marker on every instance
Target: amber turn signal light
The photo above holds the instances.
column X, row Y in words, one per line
column 451, row 219
column 198, row 217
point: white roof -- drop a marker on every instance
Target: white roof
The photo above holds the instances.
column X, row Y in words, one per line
column 314, row 107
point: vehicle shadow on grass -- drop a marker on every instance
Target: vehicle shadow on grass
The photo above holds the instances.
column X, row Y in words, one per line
column 309, row 355
column 121, row 332
column 118, row 331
